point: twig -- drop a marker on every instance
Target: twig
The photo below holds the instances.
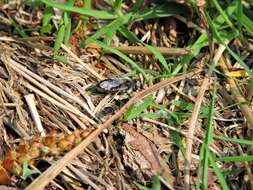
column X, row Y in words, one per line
column 194, row 118
column 55, row 169
column 163, row 50
column 35, row 115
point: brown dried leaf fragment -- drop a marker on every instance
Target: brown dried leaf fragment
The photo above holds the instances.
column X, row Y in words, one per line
column 150, row 153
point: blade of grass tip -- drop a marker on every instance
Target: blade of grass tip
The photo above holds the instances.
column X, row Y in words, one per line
column 201, row 42
column 87, row 4
column 223, row 14
column 110, row 28
column 59, row 37
column 156, row 185
column 163, row 10
column 234, row 140
column 208, row 138
column 117, row 6
column 82, row 11
column 247, row 23
column 18, row 28
column 239, row 14
column 137, row 6
column 133, row 38
column 67, row 23
column 244, row 158
column 128, row 34
column 67, row 32
column 217, row 172
column 124, row 57
column 47, row 17
column 159, row 56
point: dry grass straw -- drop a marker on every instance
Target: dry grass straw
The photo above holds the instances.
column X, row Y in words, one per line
column 55, row 169
column 204, row 86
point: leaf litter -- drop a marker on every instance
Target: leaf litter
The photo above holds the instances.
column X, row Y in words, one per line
column 128, row 151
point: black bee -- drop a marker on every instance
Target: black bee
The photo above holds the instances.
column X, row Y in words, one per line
column 115, row 85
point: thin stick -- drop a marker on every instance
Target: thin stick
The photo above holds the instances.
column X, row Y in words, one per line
column 145, row 51
column 193, row 120
column 30, row 100
column 55, row 169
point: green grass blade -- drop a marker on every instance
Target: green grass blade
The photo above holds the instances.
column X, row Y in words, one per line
column 67, row 24
column 239, row 14
column 128, row 34
column 208, row 139
column 159, row 56
column 247, row 23
column 136, row 110
column 18, row 28
column 87, row 4
column 189, row 106
column 151, row 115
column 217, row 172
column 218, row 37
column 67, row 35
column 142, row 187
column 223, row 14
column 82, row 11
column 244, row 158
column 219, row 21
column 133, row 38
column 234, row 140
column 117, row 6
column 240, row 61
column 59, row 38
column 156, row 185
column 178, row 141
column 47, row 17
column 137, row 6
column 200, row 167
column 110, row 28
column 164, row 10
column 202, row 41
column 124, row 57
column 213, row 28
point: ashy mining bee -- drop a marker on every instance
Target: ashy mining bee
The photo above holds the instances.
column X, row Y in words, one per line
column 115, row 85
